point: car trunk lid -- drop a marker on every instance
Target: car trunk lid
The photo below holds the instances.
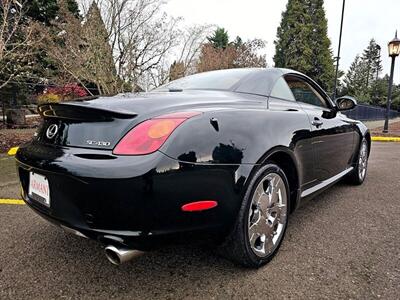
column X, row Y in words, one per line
column 80, row 126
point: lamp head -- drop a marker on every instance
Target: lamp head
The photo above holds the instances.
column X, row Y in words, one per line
column 394, row 46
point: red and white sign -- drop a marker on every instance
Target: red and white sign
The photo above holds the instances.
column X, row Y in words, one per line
column 39, row 186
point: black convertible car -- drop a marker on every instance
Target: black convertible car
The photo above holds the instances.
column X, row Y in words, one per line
column 222, row 156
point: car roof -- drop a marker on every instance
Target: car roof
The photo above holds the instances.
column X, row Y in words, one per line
column 257, row 81
column 262, row 80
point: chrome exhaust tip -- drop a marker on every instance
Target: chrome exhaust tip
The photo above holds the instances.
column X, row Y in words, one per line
column 118, row 256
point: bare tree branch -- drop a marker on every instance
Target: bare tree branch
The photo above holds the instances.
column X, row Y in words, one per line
column 18, row 40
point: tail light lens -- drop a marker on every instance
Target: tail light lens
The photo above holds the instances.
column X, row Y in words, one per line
column 148, row 136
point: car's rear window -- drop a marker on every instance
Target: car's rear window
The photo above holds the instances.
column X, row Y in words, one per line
column 214, row 80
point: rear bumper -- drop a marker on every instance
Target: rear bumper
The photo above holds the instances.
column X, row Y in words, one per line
column 135, row 200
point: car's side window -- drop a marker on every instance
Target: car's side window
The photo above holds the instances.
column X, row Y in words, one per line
column 281, row 90
column 303, row 92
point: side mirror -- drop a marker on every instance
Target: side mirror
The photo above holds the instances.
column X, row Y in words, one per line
column 346, row 103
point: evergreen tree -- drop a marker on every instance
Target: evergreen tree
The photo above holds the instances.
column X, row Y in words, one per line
column 176, row 70
column 81, row 52
column 45, row 11
column 361, row 79
column 42, row 11
column 237, row 54
column 355, row 80
column 219, row 39
column 73, row 7
column 302, row 42
column 372, row 58
column 238, row 42
column 396, row 97
column 18, row 45
column 380, row 92
column 99, row 57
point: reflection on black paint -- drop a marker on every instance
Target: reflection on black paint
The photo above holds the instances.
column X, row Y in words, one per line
column 188, row 157
column 148, row 181
column 222, row 154
column 185, row 158
column 329, row 114
column 227, row 154
column 300, row 135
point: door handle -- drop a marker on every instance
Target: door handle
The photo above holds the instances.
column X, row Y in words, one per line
column 317, row 122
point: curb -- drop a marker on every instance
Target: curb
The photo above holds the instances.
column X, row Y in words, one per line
column 12, row 201
column 12, row 151
column 385, row 139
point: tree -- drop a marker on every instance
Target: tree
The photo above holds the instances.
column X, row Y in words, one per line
column 192, row 41
column 355, row 80
column 141, row 36
column 233, row 56
column 302, row 42
column 82, row 52
column 73, row 7
column 64, row 46
column 372, row 58
column 361, row 79
column 212, row 58
column 42, row 11
column 247, row 54
column 177, row 70
column 18, row 42
column 219, row 39
column 238, row 42
column 99, row 64
column 185, row 54
column 46, row 11
column 380, row 93
column 396, row 97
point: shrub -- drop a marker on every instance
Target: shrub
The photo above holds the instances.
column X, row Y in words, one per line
column 48, row 98
column 57, row 94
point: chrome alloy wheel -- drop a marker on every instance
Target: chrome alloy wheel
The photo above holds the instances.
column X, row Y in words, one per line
column 363, row 160
column 267, row 215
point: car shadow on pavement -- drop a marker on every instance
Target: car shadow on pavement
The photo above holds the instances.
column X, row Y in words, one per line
column 75, row 262
column 173, row 267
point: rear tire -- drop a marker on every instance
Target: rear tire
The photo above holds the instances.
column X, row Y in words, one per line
column 358, row 175
column 262, row 220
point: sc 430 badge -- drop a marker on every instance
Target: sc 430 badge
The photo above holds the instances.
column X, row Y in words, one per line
column 98, row 143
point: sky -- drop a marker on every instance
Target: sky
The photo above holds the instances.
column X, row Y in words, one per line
column 363, row 20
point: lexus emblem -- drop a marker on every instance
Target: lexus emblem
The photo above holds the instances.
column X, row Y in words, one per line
column 52, row 131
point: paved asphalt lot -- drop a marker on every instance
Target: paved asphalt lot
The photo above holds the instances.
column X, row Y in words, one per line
column 343, row 244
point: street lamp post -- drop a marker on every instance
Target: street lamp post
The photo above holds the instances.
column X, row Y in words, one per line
column 338, row 55
column 377, row 72
column 378, row 57
column 394, row 51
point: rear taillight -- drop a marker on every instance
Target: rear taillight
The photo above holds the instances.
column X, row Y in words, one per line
column 148, row 136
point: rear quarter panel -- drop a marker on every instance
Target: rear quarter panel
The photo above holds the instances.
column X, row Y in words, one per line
column 243, row 136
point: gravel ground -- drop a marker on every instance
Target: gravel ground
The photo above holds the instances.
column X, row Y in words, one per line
column 9, row 184
column 394, row 130
column 14, row 137
column 377, row 124
column 343, row 244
